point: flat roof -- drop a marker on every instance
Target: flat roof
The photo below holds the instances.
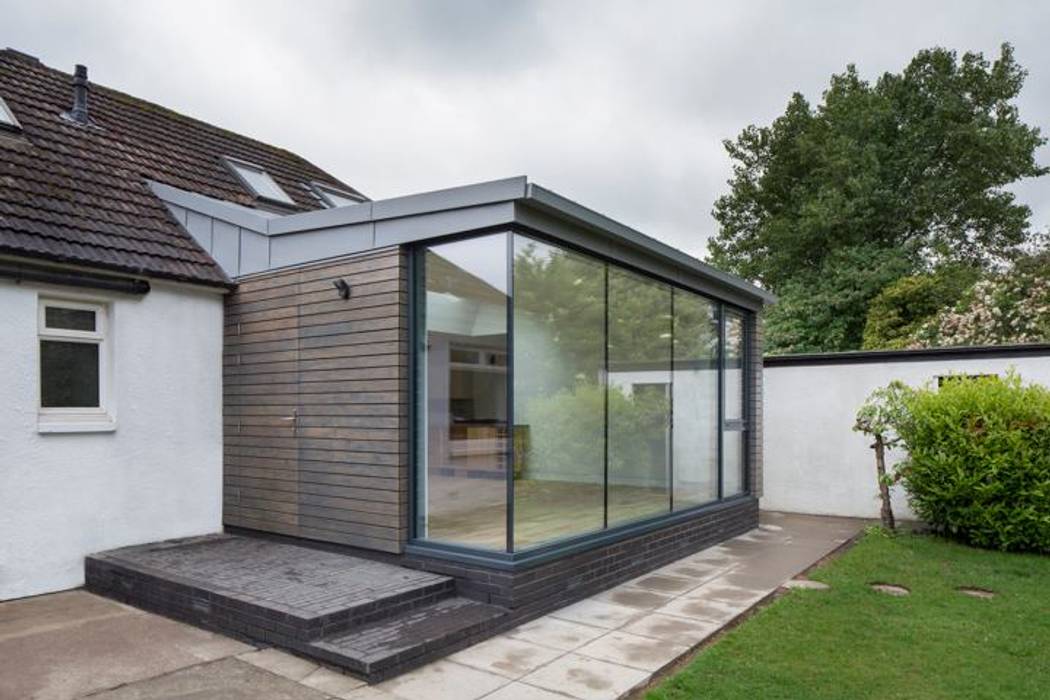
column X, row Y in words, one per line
column 265, row 241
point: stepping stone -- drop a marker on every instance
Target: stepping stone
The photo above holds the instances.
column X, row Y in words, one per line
column 891, row 589
column 976, row 592
column 805, row 583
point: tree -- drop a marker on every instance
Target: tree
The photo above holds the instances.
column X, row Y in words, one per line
column 904, row 306
column 900, row 175
column 882, row 416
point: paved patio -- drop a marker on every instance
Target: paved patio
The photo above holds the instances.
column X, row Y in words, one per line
column 74, row 644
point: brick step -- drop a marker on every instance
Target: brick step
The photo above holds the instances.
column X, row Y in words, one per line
column 397, row 644
column 261, row 590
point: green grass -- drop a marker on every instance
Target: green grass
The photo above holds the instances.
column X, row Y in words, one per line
column 851, row 642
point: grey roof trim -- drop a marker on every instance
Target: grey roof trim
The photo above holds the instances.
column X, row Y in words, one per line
column 546, row 199
column 252, row 219
column 441, row 212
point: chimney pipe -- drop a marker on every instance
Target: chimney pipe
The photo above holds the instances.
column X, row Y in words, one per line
column 79, row 113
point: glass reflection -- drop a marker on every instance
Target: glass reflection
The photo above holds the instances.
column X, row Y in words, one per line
column 639, row 399
column 559, row 393
column 463, row 493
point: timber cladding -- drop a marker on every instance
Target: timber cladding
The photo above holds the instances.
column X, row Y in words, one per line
column 315, row 402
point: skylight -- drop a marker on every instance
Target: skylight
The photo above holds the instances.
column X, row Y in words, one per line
column 259, row 181
column 7, row 117
column 333, row 197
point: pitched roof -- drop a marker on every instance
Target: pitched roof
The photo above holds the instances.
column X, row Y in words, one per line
column 78, row 194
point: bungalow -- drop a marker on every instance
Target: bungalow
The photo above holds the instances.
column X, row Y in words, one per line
column 491, row 382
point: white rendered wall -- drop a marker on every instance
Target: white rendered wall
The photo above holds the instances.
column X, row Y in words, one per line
column 157, row 476
column 814, row 462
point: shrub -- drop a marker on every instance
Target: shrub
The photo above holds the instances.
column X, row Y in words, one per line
column 902, row 307
column 978, row 466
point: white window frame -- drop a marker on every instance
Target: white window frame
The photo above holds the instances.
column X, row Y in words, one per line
column 8, row 120
column 236, row 165
column 76, row 419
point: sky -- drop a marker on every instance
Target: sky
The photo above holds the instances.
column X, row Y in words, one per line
column 620, row 106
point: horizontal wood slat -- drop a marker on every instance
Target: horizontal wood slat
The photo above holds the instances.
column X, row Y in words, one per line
column 315, row 402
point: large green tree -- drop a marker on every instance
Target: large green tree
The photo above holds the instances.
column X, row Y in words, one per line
column 829, row 204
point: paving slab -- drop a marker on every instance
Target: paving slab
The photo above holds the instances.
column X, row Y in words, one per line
column 673, row 629
column 632, row 650
column 443, row 680
column 332, row 682
column 597, row 613
column 102, row 645
column 228, row 679
column 506, row 656
column 521, row 691
column 586, row 678
column 557, row 634
column 632, row 597
column 280, row 663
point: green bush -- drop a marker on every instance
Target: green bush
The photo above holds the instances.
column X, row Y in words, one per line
column 979, row 461
column 902, row 307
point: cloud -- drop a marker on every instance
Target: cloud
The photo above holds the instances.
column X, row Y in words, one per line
column 619, row 106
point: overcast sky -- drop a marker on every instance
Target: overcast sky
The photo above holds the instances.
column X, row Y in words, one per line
column 621, row 106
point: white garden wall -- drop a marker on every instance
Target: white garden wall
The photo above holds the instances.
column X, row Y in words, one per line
column 814, row 462
column 157, row 475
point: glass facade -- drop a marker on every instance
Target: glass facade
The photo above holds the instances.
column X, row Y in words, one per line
column 558, row 395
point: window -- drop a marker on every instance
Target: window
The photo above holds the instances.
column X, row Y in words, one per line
column 7, row 117
column 559, row 395
column 72, row 337
column 259, row 181
column 462, row 491
column 733, row 411
column 332, row 197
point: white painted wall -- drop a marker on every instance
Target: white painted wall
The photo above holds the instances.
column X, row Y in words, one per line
column 158, row 475
column 813, row 461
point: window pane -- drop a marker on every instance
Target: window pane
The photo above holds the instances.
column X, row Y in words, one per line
column 68, row 374
column 695, row 432
column 733, row 442
column 262, row 184
column 734, row 366
column 462, row 491
column 559, row 393
column 69, row 319
column 639, row 396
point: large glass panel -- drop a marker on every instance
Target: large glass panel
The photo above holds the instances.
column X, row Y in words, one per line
column 463, row 387
column 695, row 434
column 733, row 464
column 559, row 393
column 639, row 396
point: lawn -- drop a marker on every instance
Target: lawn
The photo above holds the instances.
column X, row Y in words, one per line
column 852, row 642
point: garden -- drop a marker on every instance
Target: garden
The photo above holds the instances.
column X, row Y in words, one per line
column 953, row 607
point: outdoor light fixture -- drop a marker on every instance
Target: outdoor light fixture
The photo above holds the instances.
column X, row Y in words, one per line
column 343, row 287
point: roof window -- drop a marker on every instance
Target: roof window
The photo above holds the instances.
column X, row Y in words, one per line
column 7, row 117
column 332, row 197
column 258, row 181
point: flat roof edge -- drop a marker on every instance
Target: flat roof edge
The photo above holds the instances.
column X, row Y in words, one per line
column 552, row 201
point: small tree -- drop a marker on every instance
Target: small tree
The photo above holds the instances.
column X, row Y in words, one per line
column 881, row 416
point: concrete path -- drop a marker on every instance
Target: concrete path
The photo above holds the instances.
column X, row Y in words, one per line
column 74, row 645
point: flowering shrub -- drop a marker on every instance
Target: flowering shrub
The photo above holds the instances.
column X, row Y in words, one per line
column 1009, row 308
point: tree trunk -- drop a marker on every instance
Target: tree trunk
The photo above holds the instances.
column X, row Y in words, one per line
column 884, row 488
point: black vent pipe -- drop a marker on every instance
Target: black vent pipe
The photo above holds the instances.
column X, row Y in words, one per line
column 79, row 113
